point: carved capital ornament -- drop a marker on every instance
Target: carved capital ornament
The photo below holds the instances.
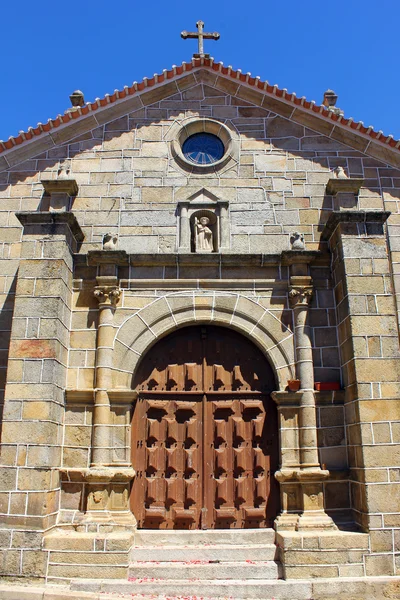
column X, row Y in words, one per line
column 300, row 295
column 108, row 295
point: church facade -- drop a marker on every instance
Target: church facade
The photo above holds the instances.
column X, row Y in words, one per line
column 200, row 328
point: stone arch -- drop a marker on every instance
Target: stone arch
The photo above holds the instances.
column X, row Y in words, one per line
column 142, row 330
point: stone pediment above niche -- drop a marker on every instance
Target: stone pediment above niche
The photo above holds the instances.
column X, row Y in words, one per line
column 203, row 223
column 203, row 197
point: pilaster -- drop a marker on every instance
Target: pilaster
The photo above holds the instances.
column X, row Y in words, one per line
column 369, row 349
column 36, row 377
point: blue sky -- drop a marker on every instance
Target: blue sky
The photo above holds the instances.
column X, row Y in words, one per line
column 51, row 49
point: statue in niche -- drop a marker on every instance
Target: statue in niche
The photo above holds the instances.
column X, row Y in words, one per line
column 203, row 235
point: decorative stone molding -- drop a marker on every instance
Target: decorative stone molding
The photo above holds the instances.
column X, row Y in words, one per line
column 227, row 309
column 348, row 185
column 56, row 223
column 118, row 258
column 98, row 474
column 371, row 220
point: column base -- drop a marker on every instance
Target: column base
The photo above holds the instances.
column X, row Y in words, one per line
column 106, row 497
column 107, row 521
column 315, row 520
column 303, row 500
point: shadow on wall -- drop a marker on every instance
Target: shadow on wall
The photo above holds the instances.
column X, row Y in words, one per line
column 6, row 316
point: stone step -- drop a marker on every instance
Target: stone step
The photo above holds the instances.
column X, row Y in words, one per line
column 204, row 552
column 154, row 537
column 73, row 540
column 204, row 570
column 236, row 589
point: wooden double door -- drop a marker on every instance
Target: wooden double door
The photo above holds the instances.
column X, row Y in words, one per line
column 204, row 434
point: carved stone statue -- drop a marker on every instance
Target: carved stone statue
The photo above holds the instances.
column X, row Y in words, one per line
column 203, row 235
column 297, row 241
column 110, row 241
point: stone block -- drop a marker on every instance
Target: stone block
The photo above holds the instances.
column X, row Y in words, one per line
column 384, row 498
column 377, row 369
column 35, row 432
column 270, row 162
column 311, row 572
column 353, row 589
column 379, row 564
column 10, row 562
column 34, row 563
column 88, row 571
column 381, row 541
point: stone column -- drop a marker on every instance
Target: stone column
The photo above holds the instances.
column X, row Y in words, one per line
column 107, row 482
column 302, row 484
column 107, row 293
column 300, row 295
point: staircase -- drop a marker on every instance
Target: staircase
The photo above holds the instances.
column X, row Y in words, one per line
column 231, row 564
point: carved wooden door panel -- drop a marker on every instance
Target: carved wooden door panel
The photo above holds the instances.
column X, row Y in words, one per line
column 237, row 464
column 167, row 443
column 204, row 434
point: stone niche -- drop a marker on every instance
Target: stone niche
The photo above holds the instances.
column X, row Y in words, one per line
column 203, row 224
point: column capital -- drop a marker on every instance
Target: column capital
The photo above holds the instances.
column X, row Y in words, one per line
column 107, row 295
column 300, row 295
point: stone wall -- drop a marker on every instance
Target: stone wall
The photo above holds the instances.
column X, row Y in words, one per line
column 130, row 184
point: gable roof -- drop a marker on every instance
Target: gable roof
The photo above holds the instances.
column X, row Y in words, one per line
column 261, row 93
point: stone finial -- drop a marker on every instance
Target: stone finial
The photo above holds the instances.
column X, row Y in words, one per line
column 64, row 171
column 77, row 98
column 329, row 101
column 110, row 241
column 297, row 241
column 340, row 173
column 330, row 98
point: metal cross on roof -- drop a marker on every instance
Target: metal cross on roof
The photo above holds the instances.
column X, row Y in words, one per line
column 201, row 35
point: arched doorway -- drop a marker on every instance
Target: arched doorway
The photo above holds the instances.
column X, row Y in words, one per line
column 204, row 433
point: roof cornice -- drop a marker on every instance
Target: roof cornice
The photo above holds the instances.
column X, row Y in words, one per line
column 136, row 90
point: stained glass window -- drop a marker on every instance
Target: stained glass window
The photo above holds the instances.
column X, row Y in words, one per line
column 203, row 148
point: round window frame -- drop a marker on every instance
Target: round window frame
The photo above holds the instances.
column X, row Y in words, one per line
column 202, row 126
column 218, row 148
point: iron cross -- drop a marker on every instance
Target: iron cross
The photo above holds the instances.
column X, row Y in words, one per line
column 201, row 35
